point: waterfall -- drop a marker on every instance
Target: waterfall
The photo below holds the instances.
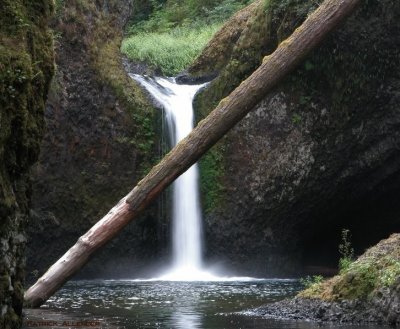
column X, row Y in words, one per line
column 177, row 102
column 176, row 99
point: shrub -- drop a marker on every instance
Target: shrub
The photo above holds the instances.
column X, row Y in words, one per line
column 346, row 251
column 308, row 281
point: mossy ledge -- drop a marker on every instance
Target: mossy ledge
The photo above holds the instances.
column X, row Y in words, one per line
column 368, row 291
column 26, row 68
column 377, row 269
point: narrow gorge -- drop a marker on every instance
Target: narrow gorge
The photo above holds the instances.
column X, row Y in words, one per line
column 318, row 155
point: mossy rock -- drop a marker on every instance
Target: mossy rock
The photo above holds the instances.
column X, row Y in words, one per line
column 26, row 69
column 344, row 87
column 378, row 268
column 98, row 30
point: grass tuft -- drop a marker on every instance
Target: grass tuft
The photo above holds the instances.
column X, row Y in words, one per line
column 377, row 268
column 170, row 51
column 169, row 34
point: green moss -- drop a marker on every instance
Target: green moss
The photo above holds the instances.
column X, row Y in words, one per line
column 246, row 56
column 26, row 56
column 378, row 268
column 358, row 282
column 312, row 283
column 26, row 68
column 212, row 171
column 106, row 60
column 102, row 38
column 268, row 24
column 361, row 279
column 342, row 76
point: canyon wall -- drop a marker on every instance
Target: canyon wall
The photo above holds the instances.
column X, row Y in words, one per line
column 101, row 138
column 320, row 153
column 26, row 68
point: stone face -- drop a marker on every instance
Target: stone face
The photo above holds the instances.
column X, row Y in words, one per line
column 101, row 138
column 318, row 154
column 26, row 68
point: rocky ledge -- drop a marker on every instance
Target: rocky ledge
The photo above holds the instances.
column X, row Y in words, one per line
column 368, row 291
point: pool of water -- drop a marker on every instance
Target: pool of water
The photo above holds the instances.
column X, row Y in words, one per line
column 162, row 304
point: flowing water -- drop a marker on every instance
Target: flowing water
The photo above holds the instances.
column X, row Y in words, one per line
column 176, row 101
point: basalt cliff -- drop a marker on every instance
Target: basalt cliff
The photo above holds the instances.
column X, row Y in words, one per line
column 26, row 68
column 101, row 138
column 320, row 153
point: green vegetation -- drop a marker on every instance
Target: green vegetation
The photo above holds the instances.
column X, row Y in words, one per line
column 211, row 172
column 296, row 118
column 102, row 38
column 332, row 77
column 171, row 51
column 107, row 63
column 169, row 35
column 378, row 268
column 26, row 68
column 309, row 281
column 363, row 277
column 235, row 61
column 312, row 283
column 346, row 251
column 239, row 59
column 164, row 15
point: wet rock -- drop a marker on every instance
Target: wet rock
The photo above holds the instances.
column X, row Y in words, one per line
column 101, row 138
column 26, row 68
column 318, row 154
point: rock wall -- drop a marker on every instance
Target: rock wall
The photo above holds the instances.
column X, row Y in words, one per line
column 26, row 68
column 101, row 138
column 319, row 153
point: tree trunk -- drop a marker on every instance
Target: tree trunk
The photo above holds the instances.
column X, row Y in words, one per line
column 229, row 111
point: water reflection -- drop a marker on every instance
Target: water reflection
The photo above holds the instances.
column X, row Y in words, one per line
column 177, row 305
column 190, row 320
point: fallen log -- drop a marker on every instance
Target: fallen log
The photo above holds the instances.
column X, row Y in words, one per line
column 228, row 112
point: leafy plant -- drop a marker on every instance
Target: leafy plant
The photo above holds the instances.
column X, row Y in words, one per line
column 309, row 281
column 346, row 251
column 296, row 118
column 391, row 272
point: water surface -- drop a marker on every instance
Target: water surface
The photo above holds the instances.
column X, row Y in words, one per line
column 163, row 304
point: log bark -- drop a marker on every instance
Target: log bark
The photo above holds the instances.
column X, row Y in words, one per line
column 229, row 111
